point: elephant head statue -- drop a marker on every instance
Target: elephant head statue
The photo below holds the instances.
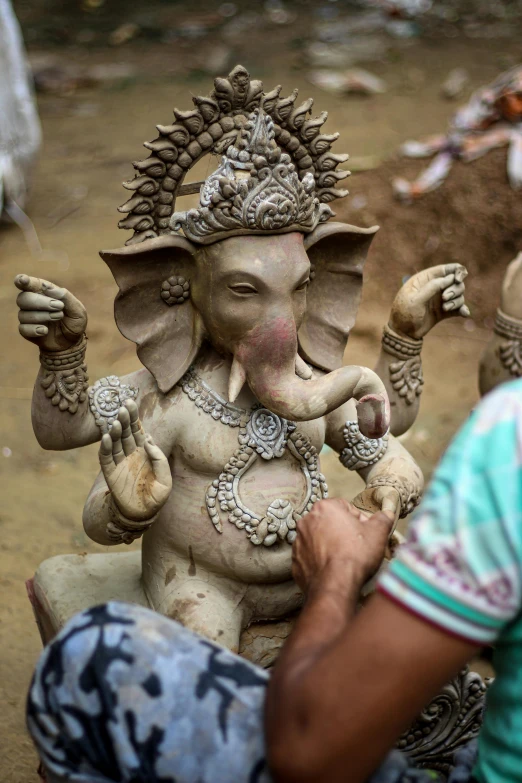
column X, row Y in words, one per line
column 256, row 270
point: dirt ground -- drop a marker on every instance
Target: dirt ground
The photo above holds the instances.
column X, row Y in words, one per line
column 90, row 137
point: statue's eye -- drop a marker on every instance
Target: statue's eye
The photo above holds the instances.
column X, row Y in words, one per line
column 304, row 285
column 243, row 288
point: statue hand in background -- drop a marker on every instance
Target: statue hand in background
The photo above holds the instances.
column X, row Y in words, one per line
column 49, row 316
column 135, row 469
column 428, row 297
column 511, row 298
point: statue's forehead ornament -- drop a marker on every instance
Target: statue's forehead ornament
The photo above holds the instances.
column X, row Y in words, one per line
column 276, row 172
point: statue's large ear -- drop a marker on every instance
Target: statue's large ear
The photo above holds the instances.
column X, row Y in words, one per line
column 168, row 336
column 337, row 253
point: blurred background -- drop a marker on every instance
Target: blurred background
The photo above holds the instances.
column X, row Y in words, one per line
column 106, row 72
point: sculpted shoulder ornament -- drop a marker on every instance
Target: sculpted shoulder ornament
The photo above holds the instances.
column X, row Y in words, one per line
column 106, row 398
column 360, row 451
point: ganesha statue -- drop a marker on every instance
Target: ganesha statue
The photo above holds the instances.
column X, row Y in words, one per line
column 241, row 309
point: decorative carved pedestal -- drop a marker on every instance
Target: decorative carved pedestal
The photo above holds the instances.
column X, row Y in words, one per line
column 450, row 720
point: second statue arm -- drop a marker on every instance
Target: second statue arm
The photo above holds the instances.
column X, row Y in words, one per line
column 502, row 357
column 55, row 321
column 425, row 299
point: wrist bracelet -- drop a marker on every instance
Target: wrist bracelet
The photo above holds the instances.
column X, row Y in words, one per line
column 125, row 530
column 68, row 359
column 65, row 378
column 507, row 326
column 510, row 351
column 361, row 452
column 406, row 374
column 408, row 493
column 399, row 346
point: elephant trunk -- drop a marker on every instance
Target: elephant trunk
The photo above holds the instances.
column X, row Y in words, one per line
column 274, row 372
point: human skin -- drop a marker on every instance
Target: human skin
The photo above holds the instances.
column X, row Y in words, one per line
column 347, row 685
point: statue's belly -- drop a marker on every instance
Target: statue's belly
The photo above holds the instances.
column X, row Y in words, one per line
column 273, row 492
column 236, row 500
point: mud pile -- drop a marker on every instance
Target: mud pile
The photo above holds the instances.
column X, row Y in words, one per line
column 474, row 218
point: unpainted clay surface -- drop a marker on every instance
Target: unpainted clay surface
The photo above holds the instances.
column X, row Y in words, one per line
column 241, row 311
column 502, row 357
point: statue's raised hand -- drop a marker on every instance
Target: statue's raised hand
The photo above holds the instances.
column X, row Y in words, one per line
column 427, row 298
column 511, row 297
column 49, row 316
column 136, row 470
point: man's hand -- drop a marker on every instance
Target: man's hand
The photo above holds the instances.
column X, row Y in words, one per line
column 428, row 297
column 49, row 316
column 336, row 538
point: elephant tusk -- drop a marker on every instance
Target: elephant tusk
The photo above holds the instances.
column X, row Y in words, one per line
column 237, row 379
column 302, row 369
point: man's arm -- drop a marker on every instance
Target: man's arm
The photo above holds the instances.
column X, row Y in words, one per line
column 343, row 691
column 345, row 687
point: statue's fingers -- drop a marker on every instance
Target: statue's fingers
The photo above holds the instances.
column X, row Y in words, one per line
column 30, row 332
column 37, row 285
column 450, row 269
column 435, row 286
column 441, row 270
column 127, row 437
column 135, row 423
column 456, row 269
column 160, row 464
column 389, row 500
column 133, row 411
column 74, row 309
column 38, row 316
column 464, row 311
column 29, row 301
column 453, row 291
column 453, row 305
column 460, row 273
column 105, row 455
column 118, row 455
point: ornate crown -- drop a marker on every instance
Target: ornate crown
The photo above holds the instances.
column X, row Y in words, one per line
column 256, row 188
column 276, row 170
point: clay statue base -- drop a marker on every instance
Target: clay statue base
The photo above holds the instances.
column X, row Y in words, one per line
column 67, row 584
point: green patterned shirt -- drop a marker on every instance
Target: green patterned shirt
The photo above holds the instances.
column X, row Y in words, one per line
column 461, row 567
